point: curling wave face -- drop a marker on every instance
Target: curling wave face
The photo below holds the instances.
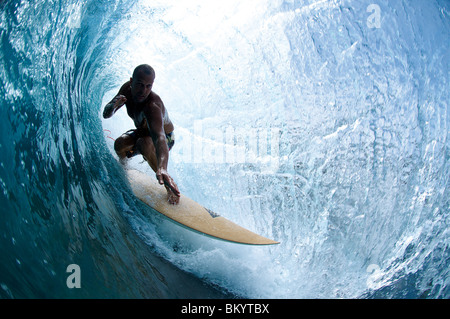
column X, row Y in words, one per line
column 323, row 125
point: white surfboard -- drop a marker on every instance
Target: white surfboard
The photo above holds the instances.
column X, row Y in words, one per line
column 190, row 214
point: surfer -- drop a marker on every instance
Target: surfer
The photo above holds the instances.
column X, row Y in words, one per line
column 153, row 137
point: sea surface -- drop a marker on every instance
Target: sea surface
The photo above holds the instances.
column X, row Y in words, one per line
column 321, row 124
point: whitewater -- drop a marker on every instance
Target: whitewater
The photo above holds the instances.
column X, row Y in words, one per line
column 321, row 124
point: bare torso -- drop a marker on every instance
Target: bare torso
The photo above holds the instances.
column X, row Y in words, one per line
column 135, row 110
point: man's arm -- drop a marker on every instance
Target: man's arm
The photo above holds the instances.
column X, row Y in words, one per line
column 156, row 127
column 116, row 103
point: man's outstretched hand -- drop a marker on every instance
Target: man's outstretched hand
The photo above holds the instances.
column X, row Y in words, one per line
column 172, row 188
column 119, row 100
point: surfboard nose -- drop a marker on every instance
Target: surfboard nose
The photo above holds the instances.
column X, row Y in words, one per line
column 190, row 214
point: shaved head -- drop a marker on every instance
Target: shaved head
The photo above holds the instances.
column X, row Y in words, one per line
column 144, row 69
column 142, row 82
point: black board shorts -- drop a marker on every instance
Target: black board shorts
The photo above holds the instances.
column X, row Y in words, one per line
column 136, row 134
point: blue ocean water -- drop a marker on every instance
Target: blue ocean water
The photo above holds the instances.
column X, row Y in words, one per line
column 321, row 124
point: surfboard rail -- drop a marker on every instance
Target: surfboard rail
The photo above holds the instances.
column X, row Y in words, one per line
column 190, row 214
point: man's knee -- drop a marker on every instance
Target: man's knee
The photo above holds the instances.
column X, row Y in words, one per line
column 122, row 145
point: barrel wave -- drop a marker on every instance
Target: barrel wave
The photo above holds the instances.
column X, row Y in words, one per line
column 321, row 124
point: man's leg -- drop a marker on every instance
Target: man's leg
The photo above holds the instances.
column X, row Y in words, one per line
column 146, row 147
column 124, row 144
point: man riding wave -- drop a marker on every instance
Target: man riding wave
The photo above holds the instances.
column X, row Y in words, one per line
column 153, row 137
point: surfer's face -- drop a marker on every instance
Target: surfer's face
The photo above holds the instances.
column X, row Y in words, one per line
column 141, row 86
